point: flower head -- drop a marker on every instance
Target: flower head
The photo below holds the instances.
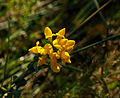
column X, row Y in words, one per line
column 62, row 45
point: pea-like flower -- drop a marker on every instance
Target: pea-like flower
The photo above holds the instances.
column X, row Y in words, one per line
column 53, row 62
column 62, row 45
column 37, row 49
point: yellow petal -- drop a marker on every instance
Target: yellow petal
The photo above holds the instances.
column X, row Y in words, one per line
column 63, row 41
column 35, row 49
column 70, row 43
column 55, row 42
column 55, row 67
column 65, row 57
column 69, row 48
column 48, row 33
column 42, row 51
column 56, row 55
column 62, row 32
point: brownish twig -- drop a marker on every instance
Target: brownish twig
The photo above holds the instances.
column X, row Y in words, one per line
column 93, row 14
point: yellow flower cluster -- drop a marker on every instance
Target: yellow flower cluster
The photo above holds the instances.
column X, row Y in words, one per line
column 60, row 43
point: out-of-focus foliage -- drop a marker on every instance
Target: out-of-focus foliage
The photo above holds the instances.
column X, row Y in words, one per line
column 96, row 71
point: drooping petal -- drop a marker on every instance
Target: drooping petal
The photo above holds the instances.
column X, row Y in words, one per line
column 48, row 34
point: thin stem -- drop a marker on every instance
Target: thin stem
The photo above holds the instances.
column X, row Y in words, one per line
column 93, row 14
column 5, row 66
column 72, row 68
column 100, row 13
column 94, row 44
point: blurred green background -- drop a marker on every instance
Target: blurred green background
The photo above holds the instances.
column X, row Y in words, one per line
column 96, row 72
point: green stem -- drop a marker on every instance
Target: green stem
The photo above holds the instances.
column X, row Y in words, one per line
column 99, row 42
column 72, row 68
column 5, row 66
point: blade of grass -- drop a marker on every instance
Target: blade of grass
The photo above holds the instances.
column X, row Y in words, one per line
column 100, row 13
column 5, row 66
column 72, row 68
column 93, row 14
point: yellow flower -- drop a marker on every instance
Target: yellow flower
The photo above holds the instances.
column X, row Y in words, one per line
column 61, row 43
column 65, row 57
column 61, row 34
column 69, row 45
column 64, row 44
column 53, row 62
column 37, row 49
column 48, row 34
column 42, row 60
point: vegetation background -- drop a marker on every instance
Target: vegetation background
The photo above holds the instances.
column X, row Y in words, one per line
column 95, row 68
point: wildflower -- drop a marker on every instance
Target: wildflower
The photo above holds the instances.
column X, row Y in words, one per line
column 69, row 45
column 62, row 45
